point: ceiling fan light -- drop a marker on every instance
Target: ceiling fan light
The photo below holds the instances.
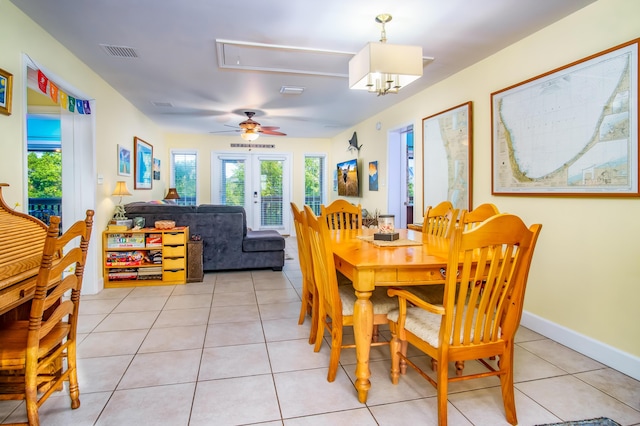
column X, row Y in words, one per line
column 249, row 136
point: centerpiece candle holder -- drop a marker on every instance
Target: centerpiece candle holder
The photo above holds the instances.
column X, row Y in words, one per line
column 386, row 228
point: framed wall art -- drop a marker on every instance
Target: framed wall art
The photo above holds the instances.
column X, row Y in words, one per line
column 6, row 88
column 124, row 161
column 143, row 165
column 447, row 156
column 373, row 176
column 156, row 169
column 572, row 131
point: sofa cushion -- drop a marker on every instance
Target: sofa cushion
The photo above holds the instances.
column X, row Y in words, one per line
column 266, row 240
column 219, row 208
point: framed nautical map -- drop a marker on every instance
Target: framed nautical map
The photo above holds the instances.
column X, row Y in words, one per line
column 572, row 131
column 447, row 157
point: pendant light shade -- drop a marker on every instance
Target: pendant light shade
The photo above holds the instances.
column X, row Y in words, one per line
column 383, row 68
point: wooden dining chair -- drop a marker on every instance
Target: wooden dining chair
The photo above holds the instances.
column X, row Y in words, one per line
column 32, row 351
column 478, row 215
column 308, row 284
column 341, row 214
column 485, row 286
column 336, row 302
column 440, row 220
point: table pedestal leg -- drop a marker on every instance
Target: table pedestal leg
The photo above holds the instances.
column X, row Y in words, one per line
column 363, row 331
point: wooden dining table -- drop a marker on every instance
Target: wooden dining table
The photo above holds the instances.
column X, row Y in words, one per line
column 369, row 266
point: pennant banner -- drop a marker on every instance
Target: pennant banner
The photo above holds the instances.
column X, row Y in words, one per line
column 82, row 106
column 64, row 100
column 53, row 92
column 42, row 82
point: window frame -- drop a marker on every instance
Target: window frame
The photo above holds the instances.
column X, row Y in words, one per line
column 172, row 182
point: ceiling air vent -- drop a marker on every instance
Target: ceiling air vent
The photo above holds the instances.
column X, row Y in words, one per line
column 119, row 51
column 161, row 104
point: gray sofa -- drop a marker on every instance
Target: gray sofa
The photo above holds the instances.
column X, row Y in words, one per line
column 227, row 243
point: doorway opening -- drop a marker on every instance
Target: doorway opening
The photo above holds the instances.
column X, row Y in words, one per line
column 400, row 190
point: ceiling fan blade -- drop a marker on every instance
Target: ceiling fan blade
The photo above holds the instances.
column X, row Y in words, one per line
column 269, row 127
column 227, row 131
column 272, row 132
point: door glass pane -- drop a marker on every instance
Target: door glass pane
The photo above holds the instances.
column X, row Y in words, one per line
column 314, row 182
column 232, row 180
column 271, row 208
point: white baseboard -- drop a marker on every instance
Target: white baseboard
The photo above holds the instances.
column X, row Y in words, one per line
column 612, row 357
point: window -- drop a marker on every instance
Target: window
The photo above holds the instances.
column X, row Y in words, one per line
column 184, row 176
column 314, row 181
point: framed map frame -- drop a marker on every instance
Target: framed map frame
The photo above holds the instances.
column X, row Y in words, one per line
column 447, row 141
column 572, row 131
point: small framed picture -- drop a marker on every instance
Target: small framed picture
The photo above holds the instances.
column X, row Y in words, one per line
column 373, row 176
column 6, row 88
column 124, row 161
column 156, row 169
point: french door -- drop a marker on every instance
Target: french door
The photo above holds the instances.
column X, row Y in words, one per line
column 258, row 182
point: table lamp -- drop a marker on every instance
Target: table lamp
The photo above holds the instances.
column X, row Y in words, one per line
column 172, row 195
column 121, row 190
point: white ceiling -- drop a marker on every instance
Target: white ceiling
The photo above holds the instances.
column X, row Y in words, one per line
column 178, row 81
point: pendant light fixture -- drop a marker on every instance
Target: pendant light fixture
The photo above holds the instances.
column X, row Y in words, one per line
column 383, row 68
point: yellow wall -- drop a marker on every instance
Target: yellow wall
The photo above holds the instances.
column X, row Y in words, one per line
column 117, row 121
column 586, row 270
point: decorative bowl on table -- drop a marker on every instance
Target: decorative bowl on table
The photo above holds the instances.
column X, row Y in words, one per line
column 165, row 224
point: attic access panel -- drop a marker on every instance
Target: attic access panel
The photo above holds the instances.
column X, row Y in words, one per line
column 285, row 59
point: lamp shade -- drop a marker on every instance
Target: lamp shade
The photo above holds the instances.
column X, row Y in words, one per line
column 121, row 189
column 394, row 65
column 172, row 194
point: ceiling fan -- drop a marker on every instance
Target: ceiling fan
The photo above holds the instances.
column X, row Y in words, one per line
column 251, row 129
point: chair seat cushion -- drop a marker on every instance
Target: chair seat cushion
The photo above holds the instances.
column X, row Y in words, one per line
column 266, row 240
column 382, row 303
column 424, row 324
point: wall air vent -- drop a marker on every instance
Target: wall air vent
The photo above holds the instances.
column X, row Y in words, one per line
column 119, row 51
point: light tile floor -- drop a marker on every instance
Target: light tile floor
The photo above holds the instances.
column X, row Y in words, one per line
column 229, row 351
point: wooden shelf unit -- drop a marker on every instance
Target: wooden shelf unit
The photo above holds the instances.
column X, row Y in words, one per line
column 129, row 254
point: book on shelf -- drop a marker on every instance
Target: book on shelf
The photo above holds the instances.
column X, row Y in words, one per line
column 125, row 241
column 154, row 240
column 125, row 258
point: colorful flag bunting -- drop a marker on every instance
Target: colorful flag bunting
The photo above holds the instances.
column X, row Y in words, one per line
column 42, row 81
column 58, row 96
column 64, row 100
column 53, row 92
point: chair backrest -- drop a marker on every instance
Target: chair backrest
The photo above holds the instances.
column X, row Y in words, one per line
column 304, row 249
column 60, row 254
column 484, row 296
column 440, row 220
column 478, row 215
column 324, row 267
column 342, row 214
